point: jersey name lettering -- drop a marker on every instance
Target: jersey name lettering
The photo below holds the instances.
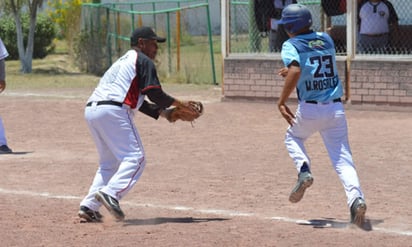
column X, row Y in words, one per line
column 323, row 84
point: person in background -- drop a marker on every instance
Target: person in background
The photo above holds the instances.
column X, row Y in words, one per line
column 277, row 34
column 4, row 149
column 310, row 69
column 377, row 21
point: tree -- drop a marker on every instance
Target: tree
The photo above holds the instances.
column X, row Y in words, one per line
column 67, row 15
column 16, row 7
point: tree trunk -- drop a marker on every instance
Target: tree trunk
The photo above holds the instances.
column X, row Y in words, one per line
column 19, row 31
column 25, row 55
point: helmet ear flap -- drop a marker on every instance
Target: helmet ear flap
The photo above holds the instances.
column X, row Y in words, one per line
column 288, row 27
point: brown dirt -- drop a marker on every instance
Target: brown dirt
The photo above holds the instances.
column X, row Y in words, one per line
column 224, row 182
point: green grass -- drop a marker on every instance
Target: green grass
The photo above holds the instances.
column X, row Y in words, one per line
column 54, row 71
column 58, row 70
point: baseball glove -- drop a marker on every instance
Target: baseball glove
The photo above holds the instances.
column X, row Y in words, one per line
column 186, row 111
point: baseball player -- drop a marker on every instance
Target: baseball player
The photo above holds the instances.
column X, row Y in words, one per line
column 109, row 114
column 310, row 67
column 4, row 149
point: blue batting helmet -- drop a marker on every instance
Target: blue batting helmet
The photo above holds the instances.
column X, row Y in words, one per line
column 295, row 17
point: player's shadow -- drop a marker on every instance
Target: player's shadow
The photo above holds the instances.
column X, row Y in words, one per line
column 17, row 153
column 163, row 220
column 333, row 223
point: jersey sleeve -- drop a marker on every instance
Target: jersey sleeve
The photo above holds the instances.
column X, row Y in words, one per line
column 393, row 16
column 150, row 109
column 149, row 83
column 289, row 54
column 147, row 73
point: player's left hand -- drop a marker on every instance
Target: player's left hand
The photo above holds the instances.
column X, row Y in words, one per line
column 287, row 114
column 185, row 111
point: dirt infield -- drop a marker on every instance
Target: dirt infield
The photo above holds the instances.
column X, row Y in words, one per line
column 224, row 182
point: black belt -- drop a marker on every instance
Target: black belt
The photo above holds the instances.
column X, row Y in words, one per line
column 106, row 102
column 316, row 102
column 375, row 35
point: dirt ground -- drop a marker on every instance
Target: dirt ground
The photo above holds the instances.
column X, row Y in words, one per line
column 224, row 182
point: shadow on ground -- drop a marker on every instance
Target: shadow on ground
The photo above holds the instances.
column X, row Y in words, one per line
column 333, row 223
column 163, row 220
column 18, row 153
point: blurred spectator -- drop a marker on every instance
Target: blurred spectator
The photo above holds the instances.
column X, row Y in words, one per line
column 267, row 14
column 377, row 21
column 277, row 34
column 334, row 7
column 263, row 10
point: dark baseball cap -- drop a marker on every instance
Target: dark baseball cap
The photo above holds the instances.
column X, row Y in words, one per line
column 145, row 33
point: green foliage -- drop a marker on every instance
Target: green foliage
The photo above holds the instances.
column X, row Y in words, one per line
column 89, row 52
column 67, row 16
column 44, row 34
column 57, row 13
column 90, row 45
column 8, row 34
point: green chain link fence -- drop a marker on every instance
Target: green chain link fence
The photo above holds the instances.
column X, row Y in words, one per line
column 189, row 53
column 246, row 38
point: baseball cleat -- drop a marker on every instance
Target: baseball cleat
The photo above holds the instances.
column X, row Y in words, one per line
column 358, row 211
column 89, row 215
column 305, row 180
column 111, row 204
column 4, row 149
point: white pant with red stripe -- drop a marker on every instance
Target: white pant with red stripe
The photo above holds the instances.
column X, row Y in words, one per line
column 121, row 153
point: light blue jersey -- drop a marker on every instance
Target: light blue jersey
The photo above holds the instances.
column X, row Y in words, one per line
column 315, row 53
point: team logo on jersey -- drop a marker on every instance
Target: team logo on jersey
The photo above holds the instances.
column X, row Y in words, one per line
column 316, row 44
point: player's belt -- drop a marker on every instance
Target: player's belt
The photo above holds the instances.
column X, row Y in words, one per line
column 106, row 102
column 375, row 35
column 316, row 102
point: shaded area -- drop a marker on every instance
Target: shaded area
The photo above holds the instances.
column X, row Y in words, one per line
column 163, row 220
column 333, row 223
column 54, row 71
column 18, row 153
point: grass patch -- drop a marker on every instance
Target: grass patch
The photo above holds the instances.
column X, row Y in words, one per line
column 54, row 71
column 58, row 70
column 195, row 63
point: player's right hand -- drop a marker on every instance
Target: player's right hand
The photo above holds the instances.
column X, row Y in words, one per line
column 2, row 86
column 283, row 71
column 286, row 114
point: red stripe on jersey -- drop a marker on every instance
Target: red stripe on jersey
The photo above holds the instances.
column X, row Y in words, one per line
column 150, row 87
column 133, row 94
